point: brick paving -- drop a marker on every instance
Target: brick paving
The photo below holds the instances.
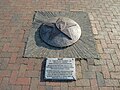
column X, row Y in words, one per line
column 18, row 73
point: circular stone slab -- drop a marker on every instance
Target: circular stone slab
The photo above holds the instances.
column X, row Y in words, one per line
column 60, row 32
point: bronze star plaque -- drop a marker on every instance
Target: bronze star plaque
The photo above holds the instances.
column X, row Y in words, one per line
column 60, row 31
column 60, row 69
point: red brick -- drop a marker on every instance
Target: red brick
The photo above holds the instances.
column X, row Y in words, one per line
column 105, row 56
column 84, row 65
column 32, row 74
column 13, row 58
column 4, row 84
column 94, row 85
column 79, row 88
column 4, row 63
column 22, row 70
column 115, row 59
column 78, row 72
column 13, row 66
column 94, row 88
column 53, row 83
column 30, row 65
column 5, row 73
column 117, row 68
column 112, row 82
column 42, row 83
column 34, row 84
column 94, row 68
column 118, row 53
column 38, row 64
column 87, row 88
column 89, row 75
column 13, row 77
column 23, row 81
column 109, row 51
column 110, row 65
column 71, row 84
column 105, row 72
column 25, row 88
column 115, row 75
column 70, row 88
column 99, row 48
column 13, row 49
column 1, row 80
column 6, row 47
column 16, row 87
column 103, row 43
column 116, row 88
column 64, row 84
column 83, row 82
column 56, row 88
column 94, row 30
column 106, row 88
column 41, row 88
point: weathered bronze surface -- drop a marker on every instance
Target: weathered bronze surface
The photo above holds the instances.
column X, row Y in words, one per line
column 60, row 32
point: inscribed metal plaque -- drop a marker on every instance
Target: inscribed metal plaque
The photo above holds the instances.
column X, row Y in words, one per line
column 60, row 69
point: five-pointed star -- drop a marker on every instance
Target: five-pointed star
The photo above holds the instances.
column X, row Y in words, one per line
column 62, row 27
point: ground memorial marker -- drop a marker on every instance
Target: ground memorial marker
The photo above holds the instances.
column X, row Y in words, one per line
column 59, row 31
column 60, row 69
column 71, row 31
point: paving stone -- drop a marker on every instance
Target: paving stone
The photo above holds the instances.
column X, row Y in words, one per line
column 34, row 84
column 106, row 88
column 94, row 68
column 4, row 85
column 116, row 88
column 86, row 88
column 5, row 55
column 41, row 88
column 100, row 79
column 78, row 72
column 4, row 64
column 111, row 82
column 115, row 75
column 115, row 59
column 84, row 65
column 105, row 72
column 22, row 70
column 26, row 88
column 71, row 84
column 16, row 87
column 53, row 83
column 110, row 65
column 117, row 68
column 13, row 77
column 5, row 73
column 89, row 75
column 13, row 58
column 64, row 88
column 49, row 88
column 83, row 82
column 99, row 48
column 72, row 88
column 32, row 73
column 23, row 81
